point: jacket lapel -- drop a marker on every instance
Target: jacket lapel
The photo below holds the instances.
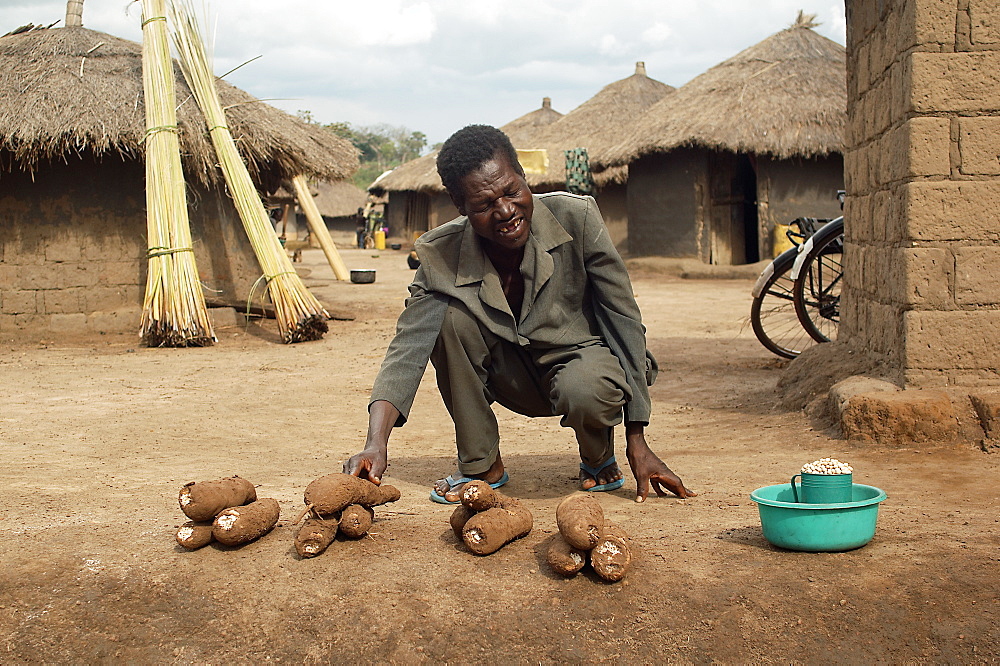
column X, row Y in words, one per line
column 538, row 266
column 473, row 267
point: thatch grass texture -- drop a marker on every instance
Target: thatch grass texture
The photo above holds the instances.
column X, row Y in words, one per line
column 596, row 125
column 68, row 91
column 174, row 312
column 785, row 96
column 300, row 316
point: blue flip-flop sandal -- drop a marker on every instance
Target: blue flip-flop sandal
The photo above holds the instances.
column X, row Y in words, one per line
column 604, row 487
column 452, row 482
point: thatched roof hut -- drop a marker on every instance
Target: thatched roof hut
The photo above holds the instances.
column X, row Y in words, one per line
column 597, row 125
column 718, row 165
column 523, row 131
column 420, row 174
column 72, row 182
column 341, row 198
column 785, row 96
column 67, row 91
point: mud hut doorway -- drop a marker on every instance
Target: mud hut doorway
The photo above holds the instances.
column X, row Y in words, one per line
column 732, row 209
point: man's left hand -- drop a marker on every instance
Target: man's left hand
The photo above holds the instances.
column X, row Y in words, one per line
column 649, row 469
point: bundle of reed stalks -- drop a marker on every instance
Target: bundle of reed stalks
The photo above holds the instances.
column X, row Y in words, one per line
column 174, row 312
column 300, row 316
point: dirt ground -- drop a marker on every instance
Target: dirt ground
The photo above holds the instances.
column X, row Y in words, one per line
column 97, row 437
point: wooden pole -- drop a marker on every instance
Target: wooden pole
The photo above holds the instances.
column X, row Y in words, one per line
column 318, row 228
column 74, row 13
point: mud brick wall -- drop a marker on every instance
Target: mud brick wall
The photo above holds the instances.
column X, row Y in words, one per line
column 922, row 275
column 73, row 248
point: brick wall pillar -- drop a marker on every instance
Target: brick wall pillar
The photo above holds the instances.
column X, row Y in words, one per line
column 922, row 171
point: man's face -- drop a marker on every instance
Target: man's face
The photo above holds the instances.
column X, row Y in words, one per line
column 498, row 203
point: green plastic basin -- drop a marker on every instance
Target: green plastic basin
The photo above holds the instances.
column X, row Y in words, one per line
column 818, row 527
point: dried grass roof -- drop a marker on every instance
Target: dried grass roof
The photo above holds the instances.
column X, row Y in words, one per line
column 597, row 125
column 67, row 91
column 594, row 125
column 341, row 198
column 785, row 96
column 420, row 174
column 523, row 130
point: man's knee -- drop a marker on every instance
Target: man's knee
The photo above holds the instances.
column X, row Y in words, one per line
column 593, row 397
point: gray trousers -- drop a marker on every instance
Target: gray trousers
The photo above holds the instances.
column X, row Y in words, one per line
column 475, row 368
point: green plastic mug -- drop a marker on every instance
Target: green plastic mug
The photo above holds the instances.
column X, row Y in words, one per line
column 823, row 488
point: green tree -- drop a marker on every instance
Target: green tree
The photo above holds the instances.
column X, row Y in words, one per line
column 382, row 147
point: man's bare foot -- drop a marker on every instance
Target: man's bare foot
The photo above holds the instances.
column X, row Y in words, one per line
column 609, row 474
column 492, row 475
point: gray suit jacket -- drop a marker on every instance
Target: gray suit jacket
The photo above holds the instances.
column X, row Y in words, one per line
column 576, row 292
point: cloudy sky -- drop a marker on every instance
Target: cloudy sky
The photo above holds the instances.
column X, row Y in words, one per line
column 437, row 65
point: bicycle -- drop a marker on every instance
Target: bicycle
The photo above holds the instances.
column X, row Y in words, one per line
column 796, row 299
column 817, row 274
column 772, row 313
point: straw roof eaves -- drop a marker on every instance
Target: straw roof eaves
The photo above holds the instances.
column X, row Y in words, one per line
column 785, row 96
column 67, row 91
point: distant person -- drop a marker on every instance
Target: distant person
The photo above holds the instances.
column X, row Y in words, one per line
column 360, row 227
column 523, row 301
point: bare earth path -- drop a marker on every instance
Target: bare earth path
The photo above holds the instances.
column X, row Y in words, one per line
column 97, row 437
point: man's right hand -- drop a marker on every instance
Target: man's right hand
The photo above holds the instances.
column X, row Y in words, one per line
column 369, row 464
column 372, row 461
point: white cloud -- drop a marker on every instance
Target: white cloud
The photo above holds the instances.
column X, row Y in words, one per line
column 435, row 65
column 610, row 46
column 656, row 33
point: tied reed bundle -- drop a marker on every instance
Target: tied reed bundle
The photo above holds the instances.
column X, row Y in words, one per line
column 174, row 312
column 318, row 227
column 300, row 316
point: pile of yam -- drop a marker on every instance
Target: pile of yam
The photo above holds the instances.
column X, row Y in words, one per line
column 338, row 503
column 585, row 536
column 487, row 520
column 224, row 510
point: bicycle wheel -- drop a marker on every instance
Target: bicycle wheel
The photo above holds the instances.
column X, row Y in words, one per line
column 818, row 282
column 772, row 313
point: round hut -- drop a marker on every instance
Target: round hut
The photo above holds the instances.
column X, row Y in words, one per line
column 72, row 183
column 752, row 143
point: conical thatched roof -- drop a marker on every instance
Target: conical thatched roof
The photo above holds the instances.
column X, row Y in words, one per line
column 420, row 175
column 522, row 131
column 341, row 198
column 597, row 125
column 786, row 96
column 69, row 91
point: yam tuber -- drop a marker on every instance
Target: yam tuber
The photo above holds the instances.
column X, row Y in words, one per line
column 334, row 492
column 564, row 559
column 204, row 500
column 314, row 536
column 242, row 524
column 356, row 521
column 480, row 496
column 486, row 519
column 459, row 517
column 488, row 531
column 194, row 535
column 611, row 557
column 580, row 519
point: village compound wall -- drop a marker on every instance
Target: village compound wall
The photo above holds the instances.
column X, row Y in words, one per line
column 922, row 256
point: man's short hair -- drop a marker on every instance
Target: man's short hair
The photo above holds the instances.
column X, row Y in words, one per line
column 467, row 150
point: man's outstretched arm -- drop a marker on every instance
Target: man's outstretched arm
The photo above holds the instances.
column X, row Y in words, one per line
column 373, row 460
